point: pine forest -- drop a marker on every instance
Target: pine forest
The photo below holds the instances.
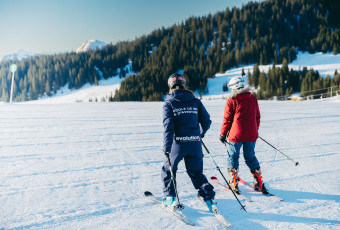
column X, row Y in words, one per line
column 271, row 32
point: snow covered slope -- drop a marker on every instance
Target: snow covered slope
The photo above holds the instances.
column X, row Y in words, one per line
column 90, row 44
column 104, row 89
column 88, row 92
column 86, row 166
column 19, row 55
column 324, row 63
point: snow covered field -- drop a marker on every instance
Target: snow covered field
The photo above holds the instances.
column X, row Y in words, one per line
column 67, row 165
column 86, row 166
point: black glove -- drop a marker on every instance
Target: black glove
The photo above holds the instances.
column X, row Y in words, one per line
column 223, row 138
column 202, row 135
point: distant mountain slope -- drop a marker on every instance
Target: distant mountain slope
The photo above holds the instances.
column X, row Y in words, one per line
column 90, row 44
column 19, row 55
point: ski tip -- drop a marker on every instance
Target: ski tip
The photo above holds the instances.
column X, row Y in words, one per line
column 213, row 178
column 147, row 193
column 242, row 181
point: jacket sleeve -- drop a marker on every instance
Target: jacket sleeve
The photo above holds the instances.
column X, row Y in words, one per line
column 203, row 117
column 169, row 127
column 228, row 117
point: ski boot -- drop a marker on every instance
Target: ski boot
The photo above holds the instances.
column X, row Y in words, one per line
column 170, row 201
column 211, row 204
column 234, row 179
column 258, row 184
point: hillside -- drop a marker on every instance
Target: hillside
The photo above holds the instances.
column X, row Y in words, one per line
column 325, row 64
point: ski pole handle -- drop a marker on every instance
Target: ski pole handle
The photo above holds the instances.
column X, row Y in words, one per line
column 166, row 153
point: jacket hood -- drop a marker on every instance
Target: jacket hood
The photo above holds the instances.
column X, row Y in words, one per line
column 180, row 95
column 245, row 91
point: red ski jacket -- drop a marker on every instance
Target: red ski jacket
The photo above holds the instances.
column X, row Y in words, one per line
column 241, row 117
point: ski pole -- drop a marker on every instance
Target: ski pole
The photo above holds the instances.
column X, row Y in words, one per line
column 218, row 168
column 179, row 206
column 296, row 163
column 229, row 157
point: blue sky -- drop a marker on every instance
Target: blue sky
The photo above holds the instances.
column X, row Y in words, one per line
column 54, row 26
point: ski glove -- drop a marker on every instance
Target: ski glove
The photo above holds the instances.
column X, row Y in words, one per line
column 223, row 138
column 202, row 135
column 167, row 154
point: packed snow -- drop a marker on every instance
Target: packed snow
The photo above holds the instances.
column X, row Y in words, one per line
column 86, row 165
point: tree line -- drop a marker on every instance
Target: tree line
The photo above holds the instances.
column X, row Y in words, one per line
column 282, row 82
column 199, row 47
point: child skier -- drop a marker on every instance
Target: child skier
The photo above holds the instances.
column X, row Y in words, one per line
column 241, row 122
column 183, row 114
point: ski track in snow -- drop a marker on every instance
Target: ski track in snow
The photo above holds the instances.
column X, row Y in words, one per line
column 86, row 166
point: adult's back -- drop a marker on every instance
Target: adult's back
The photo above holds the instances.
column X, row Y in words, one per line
column 241, row 117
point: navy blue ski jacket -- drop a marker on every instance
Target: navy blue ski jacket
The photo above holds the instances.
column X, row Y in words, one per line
column 185, row 119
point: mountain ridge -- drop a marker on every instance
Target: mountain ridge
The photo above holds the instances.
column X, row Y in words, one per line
column 90, row 44
column 19, row 55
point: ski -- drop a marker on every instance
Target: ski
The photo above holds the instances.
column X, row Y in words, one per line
column 269, row 195
column 174, row 212
column 239, row 195
column 219, row 217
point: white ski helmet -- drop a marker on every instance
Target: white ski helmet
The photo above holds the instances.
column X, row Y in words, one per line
column 236, row 83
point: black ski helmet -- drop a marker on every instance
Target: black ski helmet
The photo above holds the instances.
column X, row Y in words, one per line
column 176, row 79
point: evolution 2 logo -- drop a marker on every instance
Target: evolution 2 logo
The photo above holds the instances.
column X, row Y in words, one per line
column 187, row 139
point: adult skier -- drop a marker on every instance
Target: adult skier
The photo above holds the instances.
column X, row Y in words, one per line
column 241, row 122
column 185, row 122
